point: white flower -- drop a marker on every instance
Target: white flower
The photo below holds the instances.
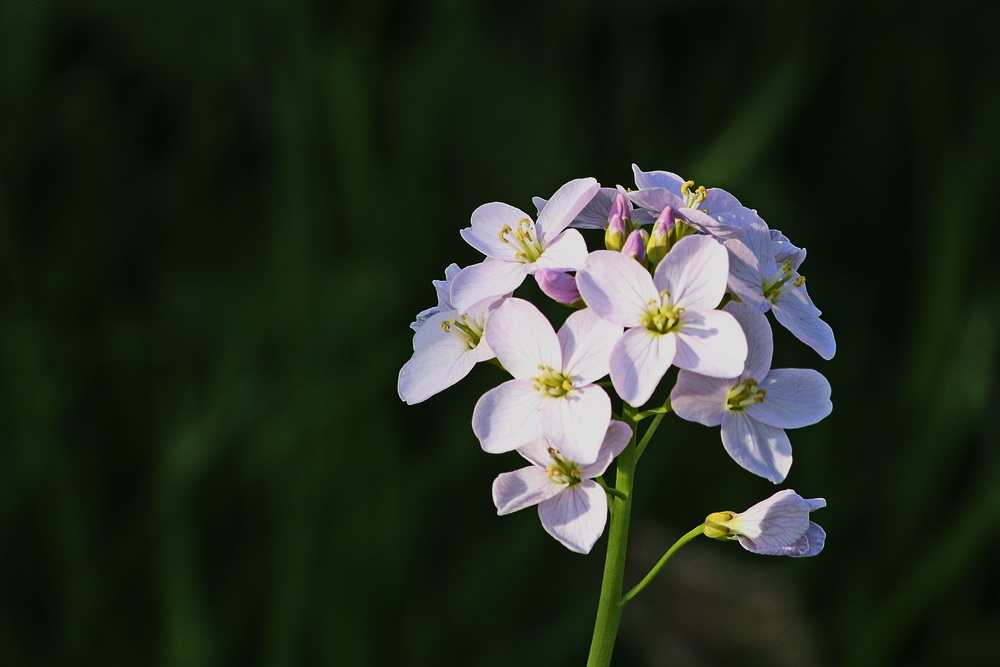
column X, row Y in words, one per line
column 778, row 526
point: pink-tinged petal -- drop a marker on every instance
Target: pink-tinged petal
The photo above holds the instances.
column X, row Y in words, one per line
column 559, row 286
column 537, row 451
column 811, row 543
column 523, row 339
column 576, row 516
column 695, row 272
column 657, row 179
column 763, row 450
column 616, row 287
column 508, row 416
column 487, row 222
column 710, row 224
column 616, row 439
column 564, row 205
column 718, row 200
column 699, row 398
column 780, row 519
column 638, row 362
column 565, row 252
column 655, row 199
column 796, row 312
column 745, row 276
column 430, row 331
column 760, row 340
column 796, row 397
column 513, row 491
column 492, row 278
column 433, row 369
column 710, row 342
column 586, row 341
column 575, row 424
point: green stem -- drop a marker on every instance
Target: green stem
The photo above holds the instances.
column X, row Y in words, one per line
column 687, row 537
column 609, row 609
column 648, row 435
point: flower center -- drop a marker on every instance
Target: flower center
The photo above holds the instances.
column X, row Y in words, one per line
column 662, row 316
column 552, row 383
column 524, row 238
column 744, row 394
column 692, row 199
column 465, row 329
column 563, row 471
column 778, row 284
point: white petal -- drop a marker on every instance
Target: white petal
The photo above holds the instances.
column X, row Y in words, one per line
column 811, row 543
column 564, row 205
column 537, row 451
column 575, row 424
column 796, row 312
column 430, row 331
column 616, row 439
column 523, row 339
column 745, row 275
column 576, row 516
column 638, row 362
column 586, row 341
column 761, row 449
column 616, row 287
column 487, row 222
column 795, row 397
column 513, row 491
column 760, row 340
column 566, row 252
column 699, row 398
column 695, row 272
column 710, row 342
column 657, row 179
column 508, row 416
column 434, row 369
column 491, row 278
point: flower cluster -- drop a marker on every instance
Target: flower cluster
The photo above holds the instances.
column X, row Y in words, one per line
column 683, row 278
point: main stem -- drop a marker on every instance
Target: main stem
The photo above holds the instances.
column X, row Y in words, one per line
column 609, row 609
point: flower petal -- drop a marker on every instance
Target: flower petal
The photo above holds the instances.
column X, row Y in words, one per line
column 564, row 205
column 491, row 278
column 508, row 416
column 745, row 275
column 796, row 312
column 811, row 543
column 695, row 272
column 523, row 339
column 657, row 179
column 699, row 398
column 616, row 439
column 795, row 397
column 710, row 342
column 586, row 339
column 763, row 450
column 565, row 252
column 433, row 369
column 513, row 491
column 576, row 423
column 760, row 340
column 638, row 362
column 487, row 221
column 576, row 516
column 616, row 287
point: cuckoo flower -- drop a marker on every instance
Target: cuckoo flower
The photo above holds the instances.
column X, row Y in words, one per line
column 778, row 526
column 553, row 392
column 572, row 506
column 758, row 278
column 755, row 408
column 443, row 289
column 516, row 246
column 446, row 345
column 671, row 316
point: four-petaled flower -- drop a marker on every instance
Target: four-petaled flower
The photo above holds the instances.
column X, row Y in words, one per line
column 552, row 393
column 778, row 526
column 671, row 316
column 572, row 506
column 755, row 407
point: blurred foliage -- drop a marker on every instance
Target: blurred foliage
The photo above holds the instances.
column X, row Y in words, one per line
column 219, row 219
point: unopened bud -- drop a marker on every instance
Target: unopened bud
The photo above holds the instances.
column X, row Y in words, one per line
column 559, row 286
column 635, row 245
column 659, row 239
column 715, row 525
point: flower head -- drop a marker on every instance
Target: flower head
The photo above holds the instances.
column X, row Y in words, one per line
column 572, row 506
column 778, row 526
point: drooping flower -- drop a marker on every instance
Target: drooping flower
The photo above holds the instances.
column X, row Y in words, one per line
column 760, row 278
column 446, row 345
column 516, row 246
column 778, row 526
column 755, row 408
column 572, row 506
column 553, row 392
column 671, row 316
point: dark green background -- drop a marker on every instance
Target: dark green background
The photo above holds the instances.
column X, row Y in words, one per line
column 219, row 219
